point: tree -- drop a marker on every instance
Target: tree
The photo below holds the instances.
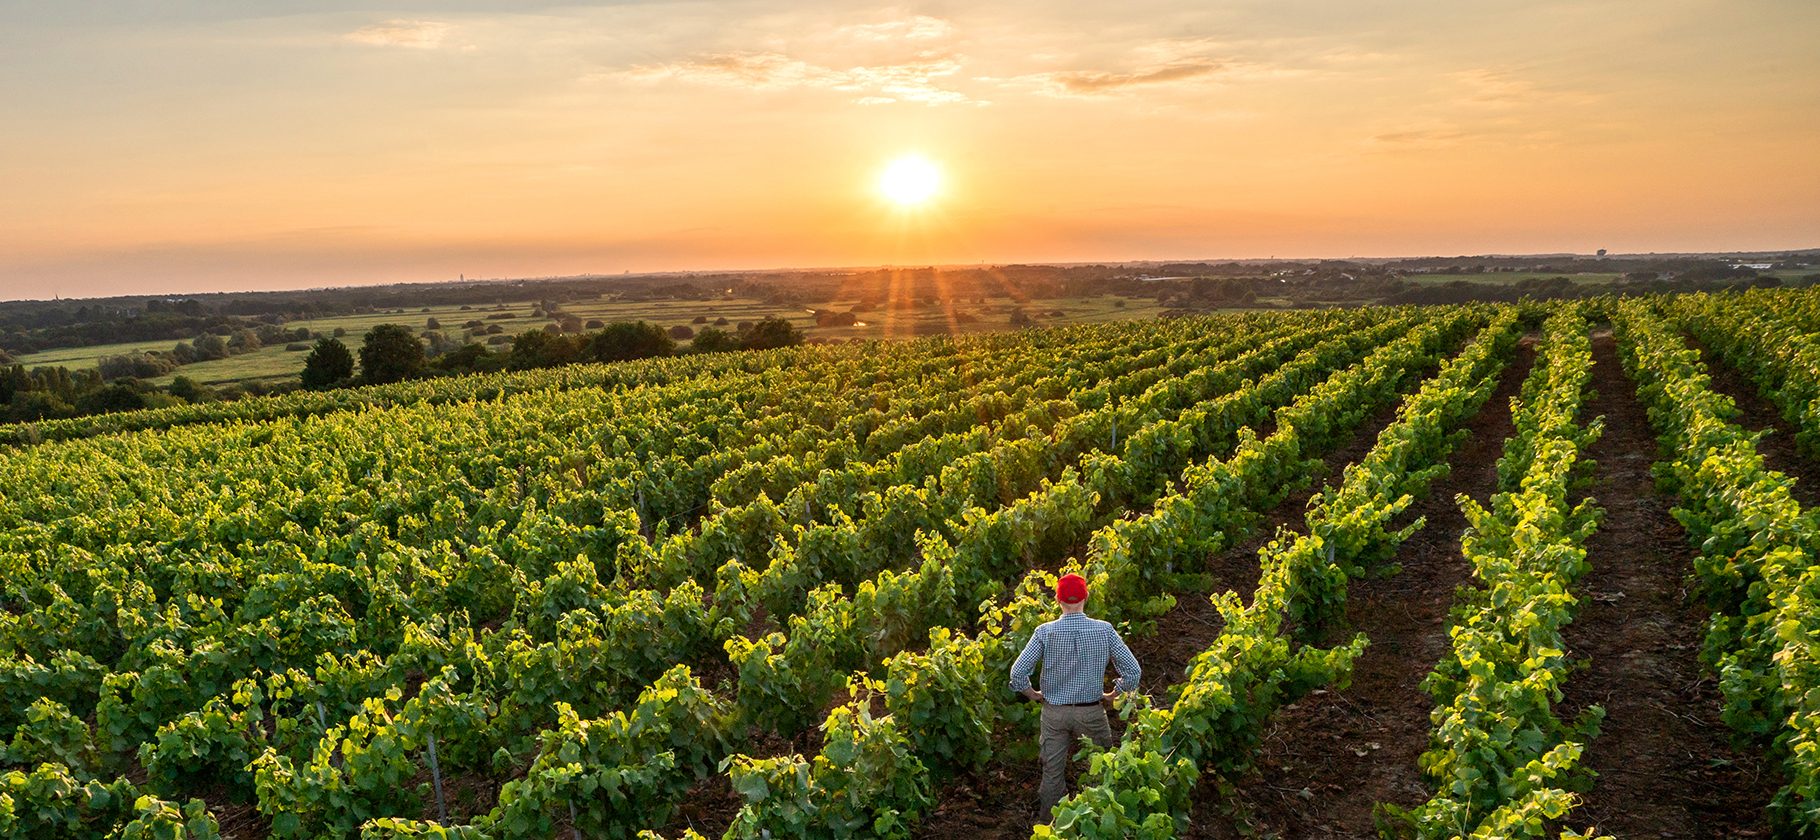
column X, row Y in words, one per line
column 329, row 363
column 470, row 358
column 244, row 341
column 623, row 341
column 210, row 347
column 711, row 340
column 191, row 391
column 771, row 333
column 120, row 396
column 432, row 324
column 390, row 354
column 543, row 349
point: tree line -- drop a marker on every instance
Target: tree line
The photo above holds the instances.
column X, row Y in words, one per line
column 387, row 353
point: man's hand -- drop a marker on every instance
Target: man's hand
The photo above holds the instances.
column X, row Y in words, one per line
column 1110, row 695
column 1034, row 695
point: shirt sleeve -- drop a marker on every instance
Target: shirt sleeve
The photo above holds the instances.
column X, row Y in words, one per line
column 1127, row 665
column 1026, row 662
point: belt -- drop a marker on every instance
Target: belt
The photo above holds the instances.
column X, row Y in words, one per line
column 1088, row 703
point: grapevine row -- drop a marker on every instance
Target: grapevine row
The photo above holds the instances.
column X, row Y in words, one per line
column 327, row 723
column 1756, row 563
column 1214, row 718
column 1503, row 761
column 1766, row 336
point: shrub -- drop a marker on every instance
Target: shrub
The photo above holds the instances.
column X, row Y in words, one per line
column 544, row 349
column 711, row 340
column 210, row 347
column 771, row 333
column 626, row 340
column 120, row 396
column 328, row 364
column 189, row 390
column 390, row 353
column 137, row 365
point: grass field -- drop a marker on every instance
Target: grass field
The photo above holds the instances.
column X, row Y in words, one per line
column 274, row 363
column 1509, row 278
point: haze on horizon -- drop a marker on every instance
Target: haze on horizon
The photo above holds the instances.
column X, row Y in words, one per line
column 190, row 146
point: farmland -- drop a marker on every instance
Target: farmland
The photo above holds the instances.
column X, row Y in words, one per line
column 1412, row 571
column 275, row 363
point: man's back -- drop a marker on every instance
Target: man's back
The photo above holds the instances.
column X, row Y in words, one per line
column 1075, row 650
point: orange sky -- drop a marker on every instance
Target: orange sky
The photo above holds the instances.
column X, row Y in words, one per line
column 203, row 145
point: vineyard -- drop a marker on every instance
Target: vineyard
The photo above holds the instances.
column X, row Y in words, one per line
column 1500, row 571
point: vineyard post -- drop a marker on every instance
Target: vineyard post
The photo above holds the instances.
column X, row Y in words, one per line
column 442, row 810
column 573, row 819
column 641, row 515
column 323, row 718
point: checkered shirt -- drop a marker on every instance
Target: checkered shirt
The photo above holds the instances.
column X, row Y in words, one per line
column 1074, row 650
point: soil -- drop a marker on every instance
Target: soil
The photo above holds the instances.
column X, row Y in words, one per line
column 1000, row 803
column 1665, row 763
column 1664, row 758
column 1330, row 757
column 1777, row 445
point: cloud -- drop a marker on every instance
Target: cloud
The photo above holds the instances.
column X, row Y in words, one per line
column 415, row 34
column 1500, row 89
column 1162, row 62
column 1419, row 138
column 1089, row 82
column 921, row 28
column 1495, row 88
column 909, row 81
column 755, row 71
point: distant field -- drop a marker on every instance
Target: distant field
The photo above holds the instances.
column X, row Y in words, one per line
column 79, row 358
column 1509, row 278
column 276, row 363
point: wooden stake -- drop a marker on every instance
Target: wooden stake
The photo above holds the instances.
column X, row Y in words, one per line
column 442, row 810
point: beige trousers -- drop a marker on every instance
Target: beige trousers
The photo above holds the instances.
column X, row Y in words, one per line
column 1062, row 726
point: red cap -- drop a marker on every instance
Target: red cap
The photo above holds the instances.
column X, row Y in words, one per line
column 1071, row 589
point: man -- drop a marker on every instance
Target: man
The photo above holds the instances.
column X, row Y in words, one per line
column 1074, row 650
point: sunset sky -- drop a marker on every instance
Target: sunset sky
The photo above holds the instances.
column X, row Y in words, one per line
column 168, row 146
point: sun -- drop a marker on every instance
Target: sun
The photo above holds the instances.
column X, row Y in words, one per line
column 909, row 180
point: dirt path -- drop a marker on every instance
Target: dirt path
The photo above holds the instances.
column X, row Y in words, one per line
column 1331, row 757
column 1664, row 759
